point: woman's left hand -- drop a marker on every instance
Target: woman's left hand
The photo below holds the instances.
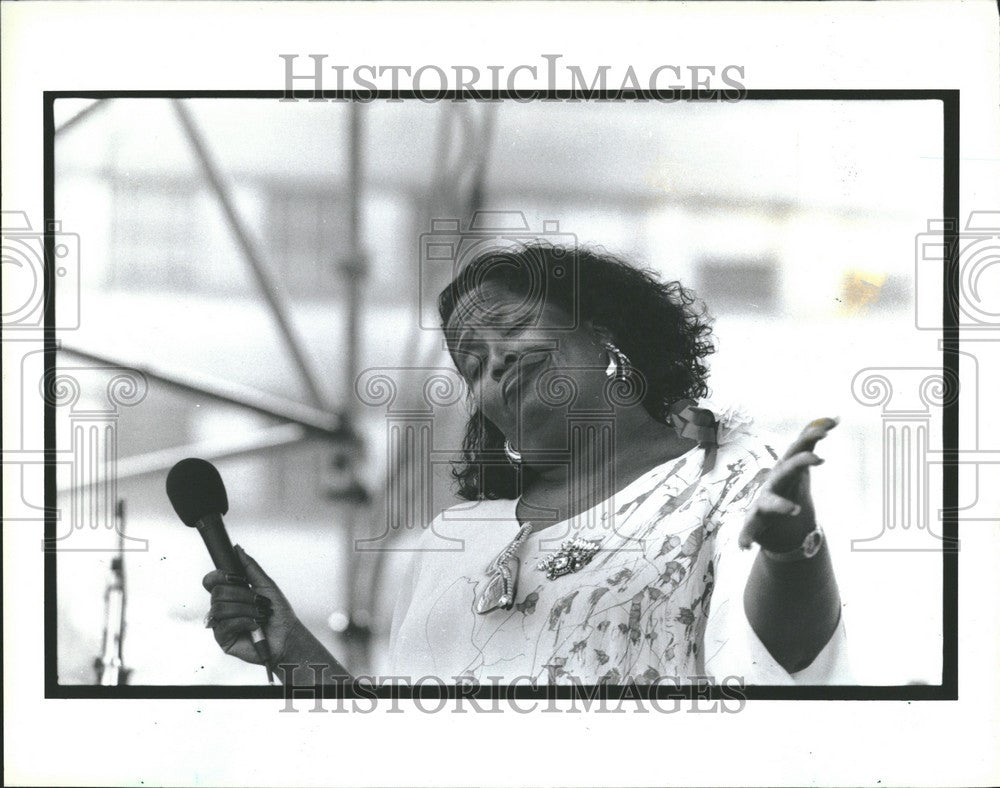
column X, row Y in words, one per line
column 783, row 513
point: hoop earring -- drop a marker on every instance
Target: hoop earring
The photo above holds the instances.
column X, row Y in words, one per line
column 512, row 454
column 619, row 365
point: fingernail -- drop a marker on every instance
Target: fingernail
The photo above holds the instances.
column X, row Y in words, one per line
column 237, row 547
column 233, row 578
column 836, row 420
column 820, row 461
column 796, row 510
column 209, row 623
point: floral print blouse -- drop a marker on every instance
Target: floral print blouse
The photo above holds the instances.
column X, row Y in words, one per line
column 661, row 597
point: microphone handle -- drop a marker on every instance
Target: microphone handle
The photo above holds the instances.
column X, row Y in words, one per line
column 213, row 534
column 216, row 539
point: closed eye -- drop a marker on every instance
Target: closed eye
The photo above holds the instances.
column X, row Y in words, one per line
column 470, row 363
column 473, row 366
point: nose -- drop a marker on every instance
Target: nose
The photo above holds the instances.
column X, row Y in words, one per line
column 500, row 359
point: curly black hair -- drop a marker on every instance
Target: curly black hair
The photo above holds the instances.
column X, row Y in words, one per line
column 659, row 325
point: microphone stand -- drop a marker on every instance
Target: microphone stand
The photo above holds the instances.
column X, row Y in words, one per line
column 110, row 667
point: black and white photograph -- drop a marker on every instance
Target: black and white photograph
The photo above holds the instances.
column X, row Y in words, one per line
column 536, row 390
column 388, row 382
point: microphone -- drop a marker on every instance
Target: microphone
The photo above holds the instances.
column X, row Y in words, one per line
column 198, row 496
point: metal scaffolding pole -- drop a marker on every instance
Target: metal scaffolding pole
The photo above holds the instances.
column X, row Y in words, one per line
column 265, row 283
column 314, row 420
column 155, row 463
column 83, row 114
column 441, row 202
column 301, row 421
column 353, row 267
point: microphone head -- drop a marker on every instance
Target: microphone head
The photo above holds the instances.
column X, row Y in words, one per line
column 195, row 489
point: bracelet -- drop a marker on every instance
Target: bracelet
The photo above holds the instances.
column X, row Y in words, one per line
column 811, row 544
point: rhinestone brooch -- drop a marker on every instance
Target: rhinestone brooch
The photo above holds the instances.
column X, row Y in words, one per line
column 501, row 582
column 574, row 554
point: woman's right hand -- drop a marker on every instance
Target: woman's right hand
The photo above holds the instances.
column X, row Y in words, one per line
column 237, row 610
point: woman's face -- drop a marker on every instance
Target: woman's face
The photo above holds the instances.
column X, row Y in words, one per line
column 527, row 372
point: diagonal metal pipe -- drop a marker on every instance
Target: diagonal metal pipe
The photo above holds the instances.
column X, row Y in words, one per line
column 314, row 420
column 267, row 285
column 160, row 461
column 83, row 114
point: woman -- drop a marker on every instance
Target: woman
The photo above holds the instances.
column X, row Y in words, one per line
column 610, row 516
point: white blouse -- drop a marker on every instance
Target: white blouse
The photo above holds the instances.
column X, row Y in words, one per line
column 662, row 596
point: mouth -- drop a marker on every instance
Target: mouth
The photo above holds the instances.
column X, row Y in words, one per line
column 518, row 376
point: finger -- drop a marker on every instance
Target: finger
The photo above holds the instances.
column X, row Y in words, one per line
column 754, row 527
column 769, row 502
column 806, row 441
column 222, row 611
column 767, row 505
column 229, row 631
column 814, row 432
column 256, row 575
column 218, row 577
column 784, row 470
column 230, row 593
column 239, row 647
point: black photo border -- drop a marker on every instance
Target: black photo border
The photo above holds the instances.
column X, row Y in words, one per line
column 946, row 690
